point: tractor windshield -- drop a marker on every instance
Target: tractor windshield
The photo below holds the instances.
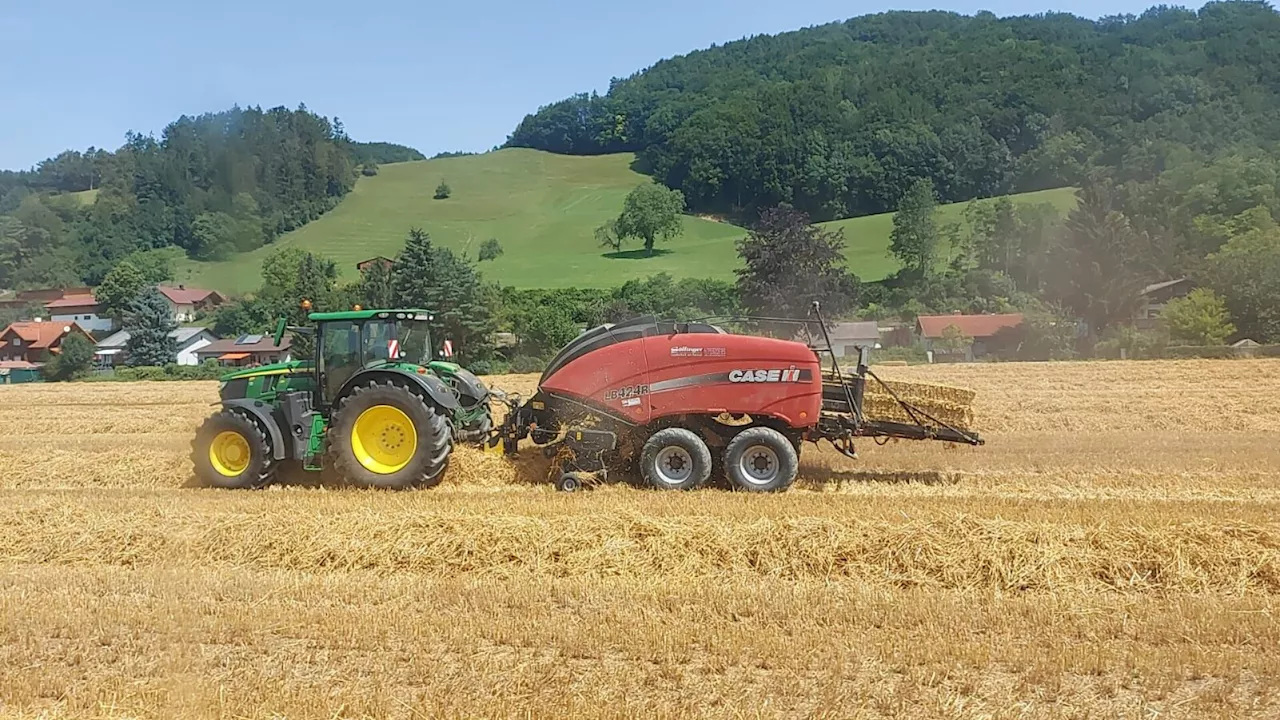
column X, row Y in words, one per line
column 396, row 340
column 415, row 341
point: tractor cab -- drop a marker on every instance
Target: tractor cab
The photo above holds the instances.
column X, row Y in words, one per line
column 348, row 343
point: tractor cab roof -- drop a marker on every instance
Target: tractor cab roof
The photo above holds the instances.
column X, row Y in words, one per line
column 398, row 314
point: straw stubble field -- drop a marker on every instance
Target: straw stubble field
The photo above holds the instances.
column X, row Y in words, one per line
column 1113, row 551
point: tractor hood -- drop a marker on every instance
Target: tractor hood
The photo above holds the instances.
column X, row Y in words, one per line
column 280, row 368
column 462, row 380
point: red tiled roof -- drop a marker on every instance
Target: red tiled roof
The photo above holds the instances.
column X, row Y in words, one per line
column 17, row 365
column 974, row 326
column 52, row 293
column 72, row 301
column 38, row 335
column 186, row 296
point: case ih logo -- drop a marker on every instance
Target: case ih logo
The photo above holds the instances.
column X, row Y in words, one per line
column 791, row 374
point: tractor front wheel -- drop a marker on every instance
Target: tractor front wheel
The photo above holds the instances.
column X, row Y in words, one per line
column 387, row 436
column 231, row 451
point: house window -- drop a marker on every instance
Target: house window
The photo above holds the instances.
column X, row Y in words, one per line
column 17, row 342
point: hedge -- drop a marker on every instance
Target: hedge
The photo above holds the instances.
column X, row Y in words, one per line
column 208, row 371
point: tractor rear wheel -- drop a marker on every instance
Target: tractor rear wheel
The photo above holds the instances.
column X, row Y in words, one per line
column 231, row 451
column 761, row 459
column 387, row 436
column 675, row 459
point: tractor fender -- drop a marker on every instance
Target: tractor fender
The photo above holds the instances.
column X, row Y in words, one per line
column 261, row 412
column 470, row 386
column 434, row 388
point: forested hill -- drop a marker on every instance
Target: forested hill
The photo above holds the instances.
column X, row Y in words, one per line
column 840, row 119
column 211, row 185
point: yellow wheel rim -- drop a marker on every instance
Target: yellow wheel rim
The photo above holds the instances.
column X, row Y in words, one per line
column 384, row 439
column 229, row 453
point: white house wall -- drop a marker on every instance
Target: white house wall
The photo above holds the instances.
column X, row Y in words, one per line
column 88, row 321
column 187, row 355
column 183, row 313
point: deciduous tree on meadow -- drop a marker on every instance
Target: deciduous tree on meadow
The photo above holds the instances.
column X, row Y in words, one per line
column 651, row 211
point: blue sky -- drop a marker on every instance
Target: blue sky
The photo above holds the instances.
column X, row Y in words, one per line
column 433, row 75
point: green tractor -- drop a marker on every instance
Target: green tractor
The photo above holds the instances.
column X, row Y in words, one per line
column 375, row 405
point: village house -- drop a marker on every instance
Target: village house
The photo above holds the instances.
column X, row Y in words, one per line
column 83, row 310
column 111, row 351
column 1153, row 299
column 366, row 264
column 186, row 302
column 13, row 372
column 848, row 337
column 246, row 351
column 34, row 342
column 28, row 298
column 974, row 332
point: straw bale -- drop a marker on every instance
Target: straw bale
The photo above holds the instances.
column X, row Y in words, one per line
column 947, row 403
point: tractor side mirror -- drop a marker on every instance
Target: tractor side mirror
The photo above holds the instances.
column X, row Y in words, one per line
column 280, row 328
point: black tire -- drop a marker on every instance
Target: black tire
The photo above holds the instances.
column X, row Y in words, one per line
column 761, row 459
column 431, row 429
column 675, row 459
column 258, row 471
column 569, row 482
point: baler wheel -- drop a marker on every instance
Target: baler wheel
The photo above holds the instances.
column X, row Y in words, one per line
column 761, row 459
column 569, row 482
column 675, row 459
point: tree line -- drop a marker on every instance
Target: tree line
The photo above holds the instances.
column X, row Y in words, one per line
column 843, row 119
column 209, row 186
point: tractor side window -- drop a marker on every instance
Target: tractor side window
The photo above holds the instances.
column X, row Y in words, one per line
column 341, row 355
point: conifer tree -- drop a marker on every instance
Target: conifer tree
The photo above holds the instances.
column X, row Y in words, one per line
column 149, row 323
column 435, row 278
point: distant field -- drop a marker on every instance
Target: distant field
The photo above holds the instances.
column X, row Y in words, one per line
column 543, row 208
column 86, row 197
